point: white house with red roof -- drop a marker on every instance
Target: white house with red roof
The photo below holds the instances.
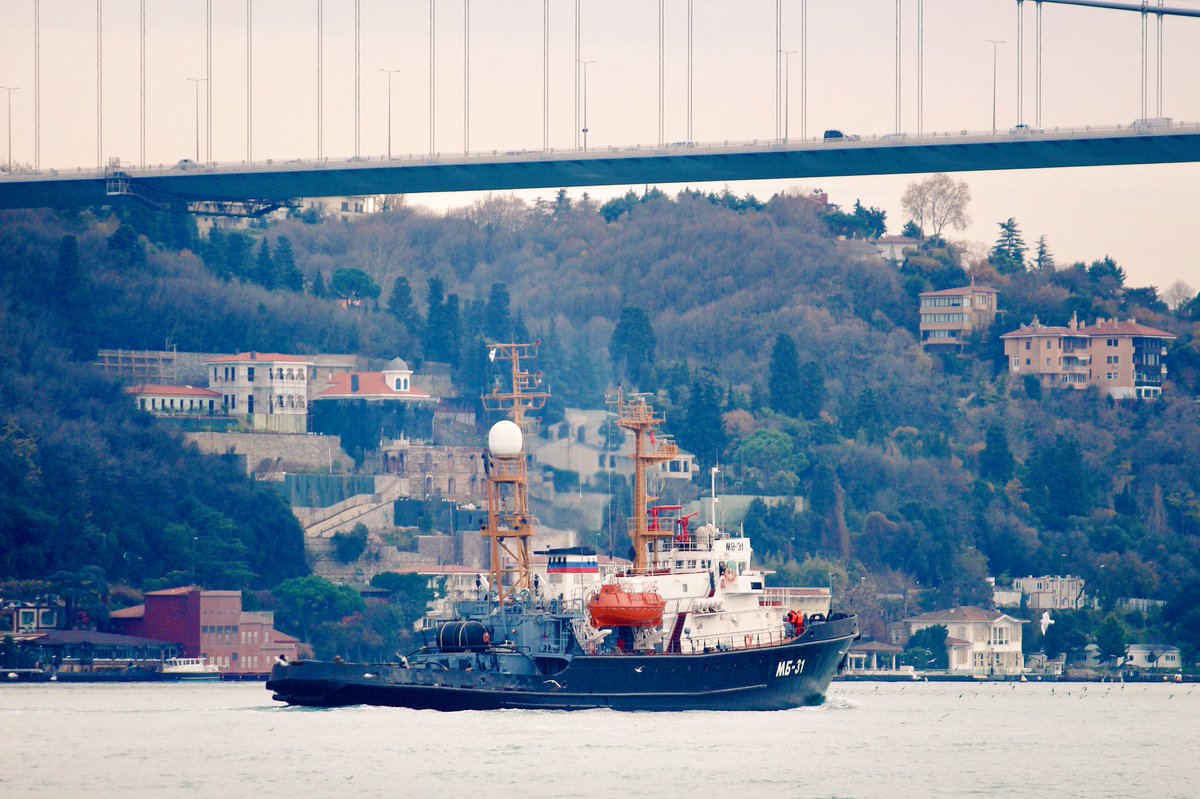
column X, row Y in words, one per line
column 393, row 384
column 268, row 390
column 978, row 641
column 1122, row 358
column 176, row 400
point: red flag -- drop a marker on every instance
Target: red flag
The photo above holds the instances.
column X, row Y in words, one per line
column 651, row 436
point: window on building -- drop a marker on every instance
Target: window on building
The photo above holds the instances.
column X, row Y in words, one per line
column 249, row 374
column 345, row 205
column 1027, row 343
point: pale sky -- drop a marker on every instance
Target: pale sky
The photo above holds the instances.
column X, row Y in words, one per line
column 1091, row 75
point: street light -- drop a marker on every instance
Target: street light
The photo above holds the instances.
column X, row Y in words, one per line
column 995, row 44
column 389, row 74
column 585, row 122
column 787, row 91
column 10, row 90
column 196, row 83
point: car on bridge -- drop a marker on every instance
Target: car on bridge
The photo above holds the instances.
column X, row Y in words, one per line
column 836, row 135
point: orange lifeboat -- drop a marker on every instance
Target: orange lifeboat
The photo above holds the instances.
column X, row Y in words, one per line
column 616, row 607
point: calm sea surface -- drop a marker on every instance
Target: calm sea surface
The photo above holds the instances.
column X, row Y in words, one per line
column 868, row 740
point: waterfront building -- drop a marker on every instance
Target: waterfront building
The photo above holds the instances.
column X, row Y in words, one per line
column 950, row 315
column 875, row 658
column 980, row 642
column 28, row 617
column 210, row 624
column 1122, row 358
column 1153, row 656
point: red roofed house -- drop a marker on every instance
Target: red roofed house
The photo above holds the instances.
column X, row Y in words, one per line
column 1071, row 356
column 982, row 642
column 209, row 624
column 394, row 383
column 948, row 316
column 270, row 391
column 176, row 400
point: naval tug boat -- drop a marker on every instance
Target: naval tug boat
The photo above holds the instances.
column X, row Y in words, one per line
column 688, row 625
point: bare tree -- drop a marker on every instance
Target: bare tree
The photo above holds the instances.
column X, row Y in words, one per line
column 1178, row 294
column 937, row 201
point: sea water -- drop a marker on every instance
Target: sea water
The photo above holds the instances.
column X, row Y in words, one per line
column 868, row 740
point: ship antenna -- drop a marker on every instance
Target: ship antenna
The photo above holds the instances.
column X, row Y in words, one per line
column 712, row 515
column 510, row 522
column 638, row 416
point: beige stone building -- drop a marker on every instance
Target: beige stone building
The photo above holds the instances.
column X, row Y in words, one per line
column 950, row 315
column 268, row 390
column 1122, row 358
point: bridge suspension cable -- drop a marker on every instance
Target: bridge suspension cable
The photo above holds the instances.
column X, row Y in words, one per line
column 545, row 74
column 357, row 78
column 466, row 76
column 689, row 71
column 320, row 79
column 250, row 81
column 920, row 68
column 899, row 4
column 208, row 83
column 99, row 84
column 432, row 72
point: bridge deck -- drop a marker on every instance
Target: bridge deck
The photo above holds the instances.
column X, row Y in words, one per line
column 680, row 163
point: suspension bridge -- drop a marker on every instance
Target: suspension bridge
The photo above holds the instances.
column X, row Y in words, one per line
column 252, row 186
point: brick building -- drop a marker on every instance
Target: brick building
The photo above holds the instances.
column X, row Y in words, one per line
column 209, row 624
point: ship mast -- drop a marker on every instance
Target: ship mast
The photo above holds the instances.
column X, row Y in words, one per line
column 637, row 416
column 510, row 522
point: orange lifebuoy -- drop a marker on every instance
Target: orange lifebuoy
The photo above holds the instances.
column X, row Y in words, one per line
column 749, row 640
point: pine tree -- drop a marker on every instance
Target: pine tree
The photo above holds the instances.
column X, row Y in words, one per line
column 1043, row 261
column 783, row 379
column 434, row 317
column 1008, row 254
column 498, row 323
column 400, row 304
column 703, row 430
column 996, row 460
column 264, row 267
column 631, row 349
column 318, row 285
column 811, row 390
column 287, row 274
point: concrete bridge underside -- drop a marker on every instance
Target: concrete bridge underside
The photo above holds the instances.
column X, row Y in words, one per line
column 671, row 165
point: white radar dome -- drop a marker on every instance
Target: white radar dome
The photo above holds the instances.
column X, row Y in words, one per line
column 505, row 438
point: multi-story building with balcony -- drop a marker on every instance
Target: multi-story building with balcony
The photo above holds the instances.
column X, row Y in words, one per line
column 1121, row 357
column 268, row 390
column 950, row 315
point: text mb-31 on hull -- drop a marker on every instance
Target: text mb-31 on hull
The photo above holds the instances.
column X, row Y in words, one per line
column 689, row 624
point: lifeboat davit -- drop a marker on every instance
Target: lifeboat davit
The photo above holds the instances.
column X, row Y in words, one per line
column 616, row 607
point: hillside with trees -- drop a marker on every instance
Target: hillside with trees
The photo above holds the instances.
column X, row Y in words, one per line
column 773, row 350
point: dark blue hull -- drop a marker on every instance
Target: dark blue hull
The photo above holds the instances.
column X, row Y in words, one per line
column 788, row 675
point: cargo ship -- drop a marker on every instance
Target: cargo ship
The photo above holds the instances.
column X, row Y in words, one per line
column 688, row 625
